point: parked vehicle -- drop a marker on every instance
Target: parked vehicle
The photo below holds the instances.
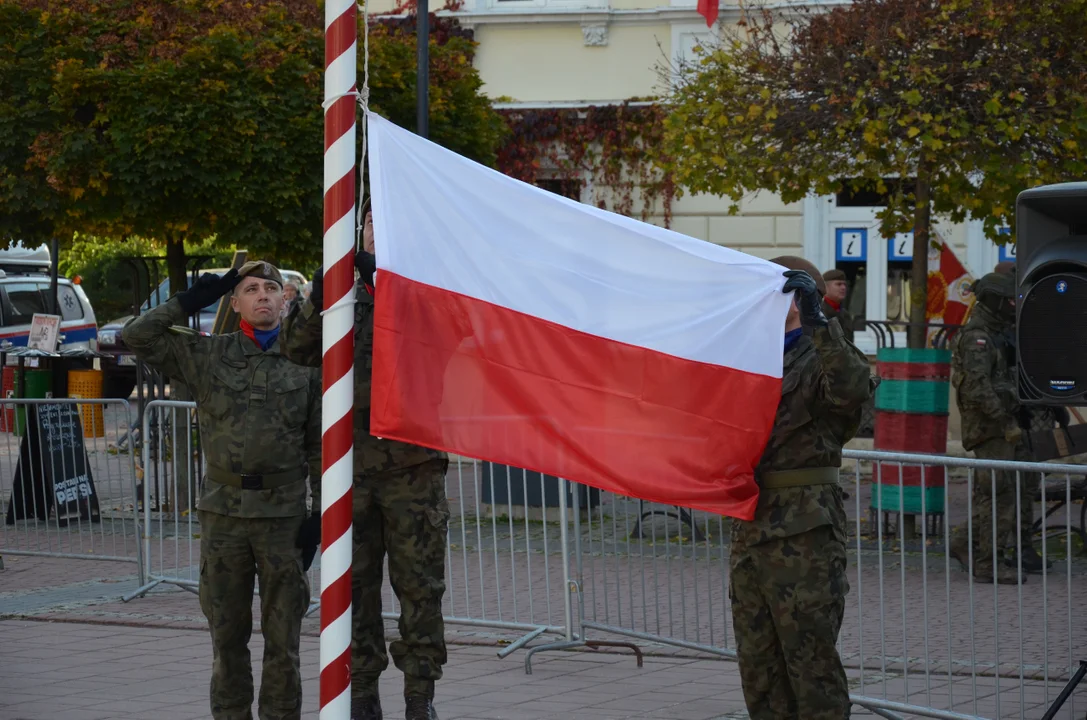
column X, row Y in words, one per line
column 24, row 291
column 120, row 367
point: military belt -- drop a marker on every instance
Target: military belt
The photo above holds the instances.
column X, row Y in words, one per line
column 799, row 478
column 257, row 481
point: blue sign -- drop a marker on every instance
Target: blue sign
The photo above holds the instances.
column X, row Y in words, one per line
column 1007, row 250
column 900, row 247
column 1062, row 287
column 851, row 244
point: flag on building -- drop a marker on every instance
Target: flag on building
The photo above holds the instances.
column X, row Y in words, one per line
column 529, row 330
column 949, row 295
column 708, row 9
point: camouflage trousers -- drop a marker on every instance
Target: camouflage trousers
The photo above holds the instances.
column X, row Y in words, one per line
column 402, row 514
column 233, row 553
column 788, row 601
column 1003, row 500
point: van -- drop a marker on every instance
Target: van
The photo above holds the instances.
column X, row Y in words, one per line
column 24, row 291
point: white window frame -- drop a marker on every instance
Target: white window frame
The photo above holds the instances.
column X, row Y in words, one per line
column 504, row 5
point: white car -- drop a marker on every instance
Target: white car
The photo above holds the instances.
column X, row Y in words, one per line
column 24, row 291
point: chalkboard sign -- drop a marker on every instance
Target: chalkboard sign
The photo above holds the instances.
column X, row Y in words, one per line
column 53, row 473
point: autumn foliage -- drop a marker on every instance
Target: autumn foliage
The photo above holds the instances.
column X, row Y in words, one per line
column 968, row 101
column 177, row 120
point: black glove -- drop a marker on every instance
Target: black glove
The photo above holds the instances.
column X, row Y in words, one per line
column 317, row 289
column 366, row 264
column 807, row 297
column 309, row 537
column 207, row 289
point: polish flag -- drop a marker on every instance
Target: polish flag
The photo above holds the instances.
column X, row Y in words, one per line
column 523, row 328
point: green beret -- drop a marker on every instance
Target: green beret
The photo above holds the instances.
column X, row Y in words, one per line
column 261, row 269
column 835, row 274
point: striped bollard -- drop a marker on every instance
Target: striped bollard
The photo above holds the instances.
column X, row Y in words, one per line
column 338, row 326
column 911, row 417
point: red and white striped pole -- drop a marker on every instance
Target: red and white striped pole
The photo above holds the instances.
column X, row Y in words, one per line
column 341, row 31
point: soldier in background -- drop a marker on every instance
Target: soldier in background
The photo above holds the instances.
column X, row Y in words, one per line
column 400, row 509
column 788, row 565
column 837, row 288
column 260, row 425
column 983, row 374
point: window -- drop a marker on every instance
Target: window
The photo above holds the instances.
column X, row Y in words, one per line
column 566, row 187
column 23, row 300
column 70, row 307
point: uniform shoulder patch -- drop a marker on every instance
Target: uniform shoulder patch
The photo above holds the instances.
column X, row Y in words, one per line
column 981, row 341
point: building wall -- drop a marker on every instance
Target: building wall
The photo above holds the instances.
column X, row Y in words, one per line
column 548, row 53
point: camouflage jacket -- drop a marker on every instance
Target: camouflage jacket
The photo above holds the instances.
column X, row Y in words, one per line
column 845, row 319
column 825, row 383
column 983, row 378
column 258, row 412
column 302, row 344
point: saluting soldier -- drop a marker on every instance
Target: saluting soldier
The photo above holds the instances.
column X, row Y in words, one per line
column 260, row 427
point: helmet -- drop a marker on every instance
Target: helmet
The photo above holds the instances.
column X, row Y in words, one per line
column 996, row 292
column 792, row 262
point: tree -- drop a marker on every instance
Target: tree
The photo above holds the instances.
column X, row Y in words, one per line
column 965, row 102
column 178, row 120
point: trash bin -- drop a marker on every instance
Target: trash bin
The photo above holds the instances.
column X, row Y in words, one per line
column 514, row 489
column 39, row 384
column 84, row 384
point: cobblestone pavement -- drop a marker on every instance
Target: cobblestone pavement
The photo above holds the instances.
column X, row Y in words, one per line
column 917, row 628
column 72, row 649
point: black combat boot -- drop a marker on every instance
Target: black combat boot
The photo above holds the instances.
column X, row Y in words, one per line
column 1032, row 561
column 366, row 708
column 419, row 707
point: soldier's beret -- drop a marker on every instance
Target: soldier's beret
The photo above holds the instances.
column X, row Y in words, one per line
column 792, row 262
column 835, row 274
column 1006, row 267
column 261, row 269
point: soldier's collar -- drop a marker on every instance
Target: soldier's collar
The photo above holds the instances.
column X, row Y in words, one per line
column 249, row 347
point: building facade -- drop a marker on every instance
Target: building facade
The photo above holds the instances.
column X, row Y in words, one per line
column 579, row 53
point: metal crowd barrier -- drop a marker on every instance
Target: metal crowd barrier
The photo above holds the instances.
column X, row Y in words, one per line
column 545, row 564
column 502, row 573
column 172, row 468
column 920, row 636
column 63, row 491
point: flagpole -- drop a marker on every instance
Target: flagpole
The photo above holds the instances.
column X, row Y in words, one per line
column 422, row 67
column 337, row 414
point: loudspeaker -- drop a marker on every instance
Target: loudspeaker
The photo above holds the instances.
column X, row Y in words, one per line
column 1051, row 294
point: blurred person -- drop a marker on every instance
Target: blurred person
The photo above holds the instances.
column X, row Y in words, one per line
column 837, row 289
column 983, row 375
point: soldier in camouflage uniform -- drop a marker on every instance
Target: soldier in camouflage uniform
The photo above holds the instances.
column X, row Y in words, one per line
column 400, row 509
column 837, row 288
column 260, row 425
column 983, row 374
column 788, row 565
